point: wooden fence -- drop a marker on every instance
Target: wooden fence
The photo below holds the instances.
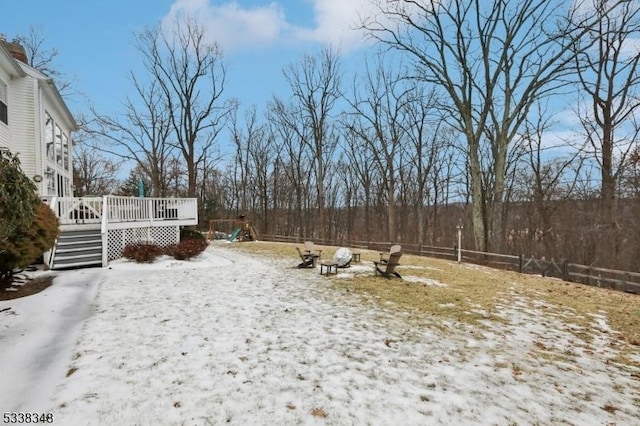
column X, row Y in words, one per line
column 607, row 278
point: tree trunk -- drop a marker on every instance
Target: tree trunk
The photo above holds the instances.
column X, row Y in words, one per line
column 477, row 199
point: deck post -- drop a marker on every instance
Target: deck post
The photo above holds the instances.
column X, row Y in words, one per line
column 104, row 230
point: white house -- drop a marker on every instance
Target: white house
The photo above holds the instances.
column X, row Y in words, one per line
column 35, row 122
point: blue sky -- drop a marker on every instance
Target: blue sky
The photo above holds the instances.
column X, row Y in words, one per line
column 95, row 39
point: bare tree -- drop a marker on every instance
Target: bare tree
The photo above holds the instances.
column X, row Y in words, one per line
column 543, row 182
column 379, row 118
column 265, row 156
column 359, row 159
column 426, row 142
column 245, row 136
column 255, row 159
column 297, row 161
column 609, row 75
column 630, row 179
column 493, row 60
column 190, row 73
column 93, row 174
column 315, row 86
column 42, row 58
column 141, row 133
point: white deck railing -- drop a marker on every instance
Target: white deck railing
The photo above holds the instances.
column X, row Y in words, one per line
column 111, row 210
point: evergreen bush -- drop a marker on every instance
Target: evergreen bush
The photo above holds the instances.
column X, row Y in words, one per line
column 29, row 242
column 18, row 196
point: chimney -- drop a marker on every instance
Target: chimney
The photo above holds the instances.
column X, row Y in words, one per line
column 16, row 49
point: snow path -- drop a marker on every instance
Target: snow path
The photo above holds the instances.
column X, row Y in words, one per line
column 36, row 334
column 239, row 339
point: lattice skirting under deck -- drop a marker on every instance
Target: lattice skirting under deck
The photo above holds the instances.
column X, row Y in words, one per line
column 118, row 239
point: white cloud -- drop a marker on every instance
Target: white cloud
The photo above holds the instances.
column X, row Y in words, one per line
column 337, row 22
column 233, row 26
column 236, row 27
column 631, row 48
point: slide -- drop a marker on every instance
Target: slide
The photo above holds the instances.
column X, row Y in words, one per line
column 234, row 234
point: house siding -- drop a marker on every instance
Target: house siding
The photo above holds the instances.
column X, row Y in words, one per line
column 5, row 130
column 5, row 136
column 22, row 104
column 30, row 95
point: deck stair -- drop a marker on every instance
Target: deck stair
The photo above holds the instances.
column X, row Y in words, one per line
column 77, row 248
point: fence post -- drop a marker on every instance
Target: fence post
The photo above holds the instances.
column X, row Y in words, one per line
column 565, row 270
column 520, row 263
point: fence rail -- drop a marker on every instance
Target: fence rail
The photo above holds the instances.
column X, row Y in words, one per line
column 601, row 277
column 607, row 278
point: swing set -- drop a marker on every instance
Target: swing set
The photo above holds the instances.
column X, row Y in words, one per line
column 242, row 229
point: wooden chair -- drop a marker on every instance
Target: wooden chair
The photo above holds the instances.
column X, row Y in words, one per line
column 384, row 257
column 388, row 268
column 308, row 260
column 310, row 248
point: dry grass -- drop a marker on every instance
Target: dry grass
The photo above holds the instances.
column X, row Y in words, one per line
column 318, row 412
column 473, row 294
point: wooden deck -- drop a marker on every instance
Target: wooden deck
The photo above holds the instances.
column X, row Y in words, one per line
column 123, row 220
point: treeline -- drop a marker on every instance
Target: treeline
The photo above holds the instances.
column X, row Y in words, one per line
column 518, row 118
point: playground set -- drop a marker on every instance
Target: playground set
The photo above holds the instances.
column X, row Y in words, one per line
column 241, row 229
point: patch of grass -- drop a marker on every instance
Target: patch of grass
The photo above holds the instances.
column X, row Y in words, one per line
column 474, row 294
column 617, row 387
column 318, row 412
column 516, row 370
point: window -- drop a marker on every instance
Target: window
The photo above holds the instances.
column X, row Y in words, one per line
column 48, row 136
column 58, row 136
column 51, row 181
column 4, row 114
column 60, row 180
column 65, row 151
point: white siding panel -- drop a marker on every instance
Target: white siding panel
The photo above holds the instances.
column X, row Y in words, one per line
column 5, row 134
column 22, row 104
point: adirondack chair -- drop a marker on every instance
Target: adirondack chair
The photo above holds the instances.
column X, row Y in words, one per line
column 308, row 260
column 310, row 248
column 388, row 267
column 384, row 257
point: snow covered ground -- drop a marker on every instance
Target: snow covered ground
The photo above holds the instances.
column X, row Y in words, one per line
column 239, row 339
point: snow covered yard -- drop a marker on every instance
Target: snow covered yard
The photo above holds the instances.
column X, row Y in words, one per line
column 243, row 339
